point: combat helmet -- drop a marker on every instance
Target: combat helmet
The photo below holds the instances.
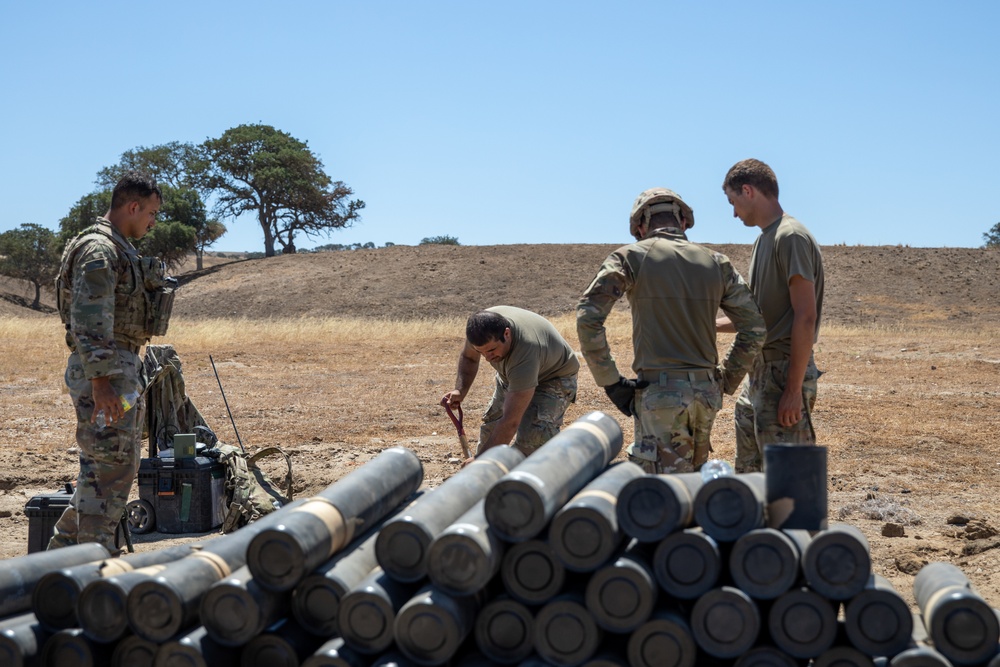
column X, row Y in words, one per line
column 657, row 200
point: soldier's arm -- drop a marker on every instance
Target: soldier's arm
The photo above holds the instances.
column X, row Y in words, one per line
column 468, row 368
column 92, row 310
column 610, row 284
column 803, row 296
column 747, row 323
column 515, row 403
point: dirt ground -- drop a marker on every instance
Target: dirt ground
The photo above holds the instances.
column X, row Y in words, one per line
column 909, row 405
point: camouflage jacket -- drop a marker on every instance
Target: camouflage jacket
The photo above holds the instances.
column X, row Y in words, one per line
column 675, row 289
column 110, row 297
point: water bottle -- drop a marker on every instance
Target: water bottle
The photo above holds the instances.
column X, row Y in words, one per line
column 129, row 399
column 715, row 469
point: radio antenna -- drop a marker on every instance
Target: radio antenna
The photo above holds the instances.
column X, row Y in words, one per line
column 230, row 412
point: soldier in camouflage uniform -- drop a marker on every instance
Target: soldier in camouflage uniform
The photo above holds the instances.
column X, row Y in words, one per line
column 674, row 288
column 786, row 278
column 536, row 373
column 111, row 300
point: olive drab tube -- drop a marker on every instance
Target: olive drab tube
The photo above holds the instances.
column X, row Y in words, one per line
column 764, row 563
column 766, row 656
column 403, row 543
column 284, row 643
column 612, row 653
column 877, row 620
column 368, row 611
column 19, row 575
column 21, row 640
column 584, row 533
column 727, row 507
column 505, row 630
column 962, row 626
column 280, row 557
column 843, row 656
column 466, row 555
column 133, row 650
column 393, row 659
column 565, row 632
column 55, row 596
column 725, row 622
column 102, row 608
column 162, row 606
column 803, row 623
column 336, row 653
column 622, row 595
column 531, row 573
column 687, row 564
column 316, row 599
column 654, row 506
column 837, row 563
column 432, row 625
column 72, row 647
column 196, row 649
column 522, row 503
column 919, row 653
column 796, row 486
column 665, row 639
column 235, row 609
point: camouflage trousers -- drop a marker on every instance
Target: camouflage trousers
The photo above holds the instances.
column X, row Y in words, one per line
column 756, row 412
column 543, row 418
column 109, row 459
column 673, row 424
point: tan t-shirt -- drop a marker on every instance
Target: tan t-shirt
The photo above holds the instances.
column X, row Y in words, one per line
column 784, row 249
column 537, row 352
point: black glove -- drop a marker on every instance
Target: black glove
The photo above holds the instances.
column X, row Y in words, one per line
column 622, row 393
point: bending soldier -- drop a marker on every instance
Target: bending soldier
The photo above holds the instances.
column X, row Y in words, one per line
column 535, row 376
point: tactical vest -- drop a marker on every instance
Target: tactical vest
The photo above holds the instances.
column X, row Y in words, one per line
column 144, row 294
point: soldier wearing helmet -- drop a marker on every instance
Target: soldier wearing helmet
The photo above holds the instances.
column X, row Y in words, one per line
column 674, row 288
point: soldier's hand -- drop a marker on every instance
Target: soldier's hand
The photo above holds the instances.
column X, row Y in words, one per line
column 622, row 394
column 106, row 400
column 452, row 399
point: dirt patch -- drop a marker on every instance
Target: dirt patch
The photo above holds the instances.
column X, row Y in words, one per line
column 909, row 405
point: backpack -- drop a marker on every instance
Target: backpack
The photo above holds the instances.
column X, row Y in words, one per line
column 250, row 492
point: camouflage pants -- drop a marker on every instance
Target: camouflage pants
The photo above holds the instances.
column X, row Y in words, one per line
column 109, row 459
column 543, row 418
column 673, row 425
column 756, row 412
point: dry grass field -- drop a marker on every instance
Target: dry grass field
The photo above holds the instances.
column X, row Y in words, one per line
column 336, row 356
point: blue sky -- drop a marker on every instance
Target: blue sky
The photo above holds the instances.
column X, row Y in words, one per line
column 529, row 122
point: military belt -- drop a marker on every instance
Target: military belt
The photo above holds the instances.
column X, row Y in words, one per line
column 662, row 377
column 773, row 355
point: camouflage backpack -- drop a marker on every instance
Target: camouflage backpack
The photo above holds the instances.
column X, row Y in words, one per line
column 250, row 492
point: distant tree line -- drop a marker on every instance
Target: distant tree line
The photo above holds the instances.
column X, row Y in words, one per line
column 992, row 238
column 249, row 169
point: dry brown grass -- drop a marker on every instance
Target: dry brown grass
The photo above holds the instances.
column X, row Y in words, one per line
column 909, row 405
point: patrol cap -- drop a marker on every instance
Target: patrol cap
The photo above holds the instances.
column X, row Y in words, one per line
column 658, row 200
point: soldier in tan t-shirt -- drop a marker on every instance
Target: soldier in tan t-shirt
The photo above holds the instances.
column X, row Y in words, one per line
column 786, row 278
column 536, row 373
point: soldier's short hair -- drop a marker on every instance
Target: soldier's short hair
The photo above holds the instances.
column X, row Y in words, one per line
column 754, row 173
column 485, row 326
column 134, row 186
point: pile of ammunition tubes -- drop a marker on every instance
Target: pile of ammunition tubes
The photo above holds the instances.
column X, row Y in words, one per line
column 563, row 558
